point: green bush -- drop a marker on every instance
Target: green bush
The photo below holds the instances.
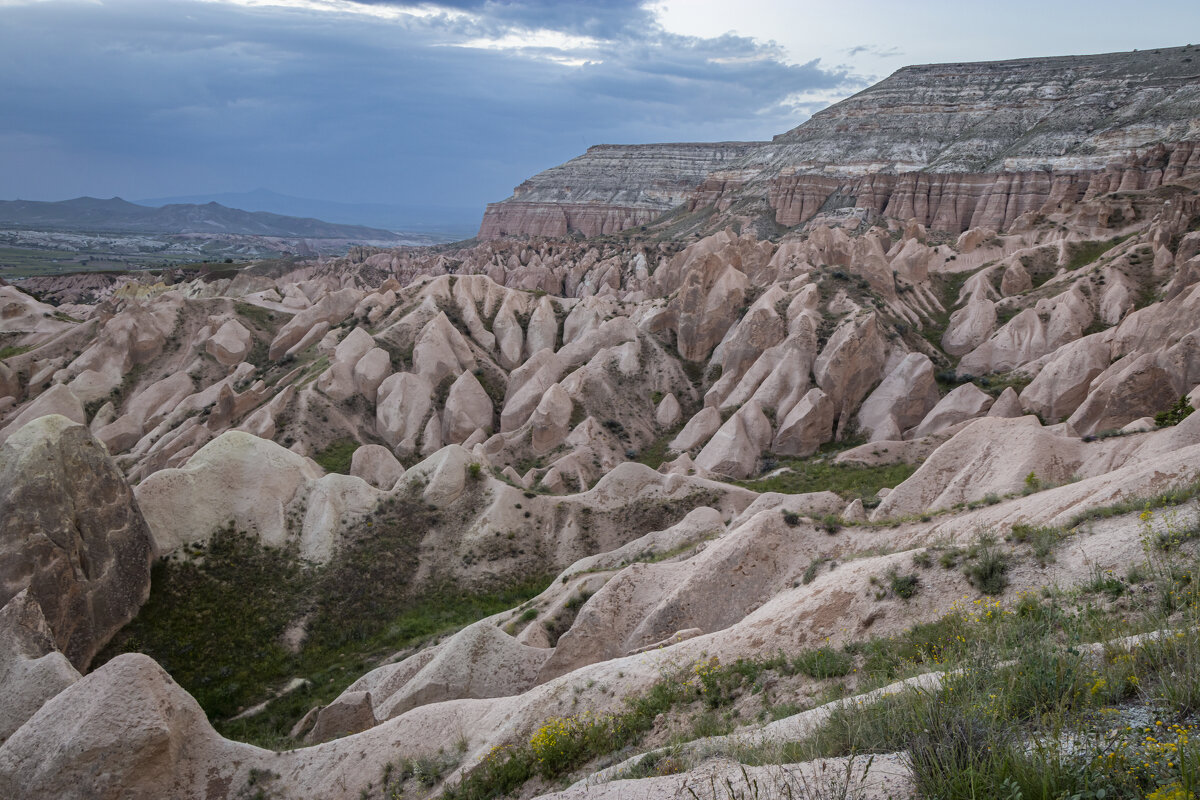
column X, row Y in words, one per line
column 903, row 586
column 1175, row 414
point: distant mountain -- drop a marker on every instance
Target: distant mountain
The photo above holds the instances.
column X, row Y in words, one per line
column 90, row 214
column 456, row 222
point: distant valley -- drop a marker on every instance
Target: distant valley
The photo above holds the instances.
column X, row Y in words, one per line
column 89, row 234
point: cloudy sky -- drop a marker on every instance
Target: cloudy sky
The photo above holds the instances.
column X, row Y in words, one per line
column 453, row 103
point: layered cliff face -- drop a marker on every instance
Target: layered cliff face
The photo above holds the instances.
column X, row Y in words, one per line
column 609, row 188
column 954, row 146
column 957, row 201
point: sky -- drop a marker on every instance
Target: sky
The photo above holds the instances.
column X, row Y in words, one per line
column 452, row 104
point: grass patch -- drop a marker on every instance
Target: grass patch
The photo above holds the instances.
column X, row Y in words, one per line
column 848, row 480
column 655, row 453
column 1031, row 713
column 1178, row 495
column 336, row 456
column 1041, row 540
column 261, row 317
column 216, row 623
column 1084, row 253
column 14, row 350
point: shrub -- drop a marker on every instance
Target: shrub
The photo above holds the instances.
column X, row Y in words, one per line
column 791, row 518
column 1175, row 414
column 903, row 586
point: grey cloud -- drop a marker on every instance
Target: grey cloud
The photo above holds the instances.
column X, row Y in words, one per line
column 161, row 98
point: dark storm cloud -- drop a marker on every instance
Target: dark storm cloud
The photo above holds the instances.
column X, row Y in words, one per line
column 454, row 106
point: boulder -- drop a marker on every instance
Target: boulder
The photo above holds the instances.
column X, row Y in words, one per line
column 668, row 412
column 1134, row 387
column 551, row 420
column 993, row 455
column 851, row 364
column 376, row 465
column 350, row 713
column 31, row 668
column 1006, row 405
column 331, row 309
column 370, row 370
column 698, row 430
column 1062, row 384
column 151, row 404
column 71, row 533
column 542, row 331
column 510, row 339
column 966, row 402
column 901, row 401
column 236, row 479
column 468, row 408
column 58, row 399
column 403, row 401
column 10, row 385
column 735, row 448
column 120, row 434
column 970, row 326
column 339, row 382
column 441, row 351
column 707, row 304
column 125, row 731
column 807, row 426
column 478, row 661
column 230, row 344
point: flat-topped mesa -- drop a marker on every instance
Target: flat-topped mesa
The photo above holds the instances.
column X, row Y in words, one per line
column 608, row 189
column 965, row 145
column 952, row 145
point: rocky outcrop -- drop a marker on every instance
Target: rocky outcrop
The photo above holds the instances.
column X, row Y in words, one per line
column 71, row 534
column 607, row 189
column 901, row 401
column 31, row 668
column 125, row 731
column 951, row 146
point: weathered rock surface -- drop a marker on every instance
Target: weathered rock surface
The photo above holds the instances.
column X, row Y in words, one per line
column 966, row 402
column 376, row 465
column 31, row 668
column 230, row 344
column 901, row 401
column 71, row 534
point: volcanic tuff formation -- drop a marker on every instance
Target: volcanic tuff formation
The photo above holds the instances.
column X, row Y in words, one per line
column 329, row 454
column 608, row 189
column 955, row 146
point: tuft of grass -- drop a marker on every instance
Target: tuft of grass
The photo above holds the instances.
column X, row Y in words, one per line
column 1042, row 540
column 986, row 567
column 823, row 662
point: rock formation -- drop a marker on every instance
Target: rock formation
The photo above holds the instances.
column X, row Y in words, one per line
column 71, row 535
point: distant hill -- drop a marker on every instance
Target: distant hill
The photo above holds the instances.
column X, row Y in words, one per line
column 455, row 222
column 120, row 216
